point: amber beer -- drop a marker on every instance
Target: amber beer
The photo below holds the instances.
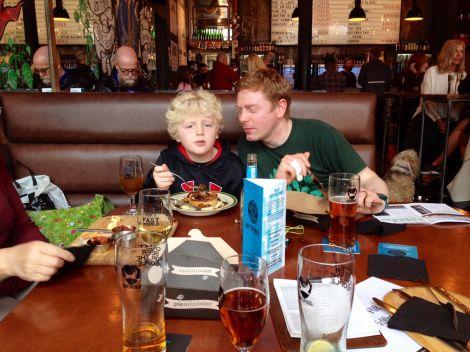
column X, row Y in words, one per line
column 342, row 221
column 131, row 185
column 243, row 312
column 343, row 189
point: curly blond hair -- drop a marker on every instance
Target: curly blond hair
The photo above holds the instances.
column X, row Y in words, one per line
column 196, row 102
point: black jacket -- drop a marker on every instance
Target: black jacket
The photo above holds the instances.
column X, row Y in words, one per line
column 224, row 174
column 111, row 84
column 375, row 76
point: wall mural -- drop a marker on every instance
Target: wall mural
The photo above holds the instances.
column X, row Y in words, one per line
column 104, row 25
column 146, row 44
column 8, row 14
column 127, row 23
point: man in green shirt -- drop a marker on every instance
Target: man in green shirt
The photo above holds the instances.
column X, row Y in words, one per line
column 263, row 102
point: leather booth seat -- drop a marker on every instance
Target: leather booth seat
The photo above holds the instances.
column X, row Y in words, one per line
column 77, row 138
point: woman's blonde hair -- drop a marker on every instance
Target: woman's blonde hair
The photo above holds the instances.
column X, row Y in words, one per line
column 197, row 102
column 254, row 62
column 446, row 55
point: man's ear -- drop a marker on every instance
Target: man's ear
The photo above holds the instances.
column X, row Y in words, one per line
column 281, row 108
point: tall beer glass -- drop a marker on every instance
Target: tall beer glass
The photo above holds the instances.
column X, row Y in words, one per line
column 343, row 189
column 140, row 277
column 325, row 282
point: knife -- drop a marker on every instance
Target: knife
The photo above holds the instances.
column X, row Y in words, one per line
column 80, row 229
column 388, row 307
column 401, row 293
column 453, row 299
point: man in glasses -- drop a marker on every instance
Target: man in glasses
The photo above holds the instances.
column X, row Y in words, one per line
column 68, row 78
column 126, row 75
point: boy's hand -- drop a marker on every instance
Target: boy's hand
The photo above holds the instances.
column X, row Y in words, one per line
column 163, row 177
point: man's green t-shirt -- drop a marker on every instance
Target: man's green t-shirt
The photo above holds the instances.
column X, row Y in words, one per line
column 330, row 152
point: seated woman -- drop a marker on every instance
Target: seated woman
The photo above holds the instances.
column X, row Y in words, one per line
column 25, row 255
column 194, row 121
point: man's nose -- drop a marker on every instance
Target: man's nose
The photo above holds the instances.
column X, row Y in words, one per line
column 199, row 129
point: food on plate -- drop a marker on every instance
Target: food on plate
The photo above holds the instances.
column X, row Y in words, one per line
column 99, row 240
column 114, row 222
column 123, row 228
column 202, row 198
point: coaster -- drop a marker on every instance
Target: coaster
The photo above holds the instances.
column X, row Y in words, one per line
column 356, row 249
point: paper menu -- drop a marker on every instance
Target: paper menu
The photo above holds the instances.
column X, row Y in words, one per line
column 421, row 213
column 396, row 340
column 360, row 322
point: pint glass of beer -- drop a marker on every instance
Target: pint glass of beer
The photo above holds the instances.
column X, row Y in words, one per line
column 325, row 283
column 140, row 276
column 343, row 189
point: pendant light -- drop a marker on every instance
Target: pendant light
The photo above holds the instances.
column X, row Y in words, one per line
column 60, row 14
column 295, row 14
column 414, row 13
column 357, row 14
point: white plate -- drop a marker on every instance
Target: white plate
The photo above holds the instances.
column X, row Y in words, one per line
column 229, row 200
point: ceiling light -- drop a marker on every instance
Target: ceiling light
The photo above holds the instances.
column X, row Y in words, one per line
column 295, row 14
column 414, row 13
column 357, row 14
column 60, row 14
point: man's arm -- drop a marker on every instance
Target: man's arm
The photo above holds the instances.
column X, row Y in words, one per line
column 371, row 186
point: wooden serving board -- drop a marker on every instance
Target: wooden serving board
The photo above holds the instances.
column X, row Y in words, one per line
column 107, row 258
column 431, row 343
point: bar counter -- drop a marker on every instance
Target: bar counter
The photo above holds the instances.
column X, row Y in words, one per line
column 81, row 311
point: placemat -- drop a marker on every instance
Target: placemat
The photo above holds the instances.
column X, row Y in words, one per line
column 290, row 344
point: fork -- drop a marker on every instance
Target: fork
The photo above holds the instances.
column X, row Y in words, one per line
column 176, row 175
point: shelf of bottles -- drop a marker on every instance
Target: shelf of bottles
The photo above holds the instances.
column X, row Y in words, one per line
column 412, row 46
column 208, row 38
column 255, row 47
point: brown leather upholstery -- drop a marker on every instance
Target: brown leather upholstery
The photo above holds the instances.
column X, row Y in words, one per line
column 76, row 139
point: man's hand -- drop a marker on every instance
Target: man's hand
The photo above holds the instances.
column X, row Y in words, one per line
column 33, row 261
column 289, row 167
column 163, row 177
column 369, row 202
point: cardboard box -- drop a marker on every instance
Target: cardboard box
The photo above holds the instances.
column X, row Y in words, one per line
column 264, row 220
column 192, row 281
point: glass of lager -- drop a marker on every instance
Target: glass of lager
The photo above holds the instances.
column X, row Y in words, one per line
column 343, row 189
column 325, row 283
column 154, row 211
column 140, row 277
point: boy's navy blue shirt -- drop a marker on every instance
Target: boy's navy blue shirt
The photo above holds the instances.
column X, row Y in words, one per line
column 224, row 173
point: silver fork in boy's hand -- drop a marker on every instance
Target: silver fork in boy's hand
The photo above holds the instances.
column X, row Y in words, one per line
column 176, row 175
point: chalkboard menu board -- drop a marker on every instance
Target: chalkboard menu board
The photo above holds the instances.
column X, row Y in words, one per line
column 67, row 33
column 330, row 24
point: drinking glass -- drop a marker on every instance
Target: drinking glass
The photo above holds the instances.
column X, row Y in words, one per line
column 453, row 80
column 244, row 298
column 343, row 189
column 140, row 278
column 325, row 283
column 131, row 178
column 154, row 211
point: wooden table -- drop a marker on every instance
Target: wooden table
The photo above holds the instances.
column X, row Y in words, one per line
column 81, row 311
